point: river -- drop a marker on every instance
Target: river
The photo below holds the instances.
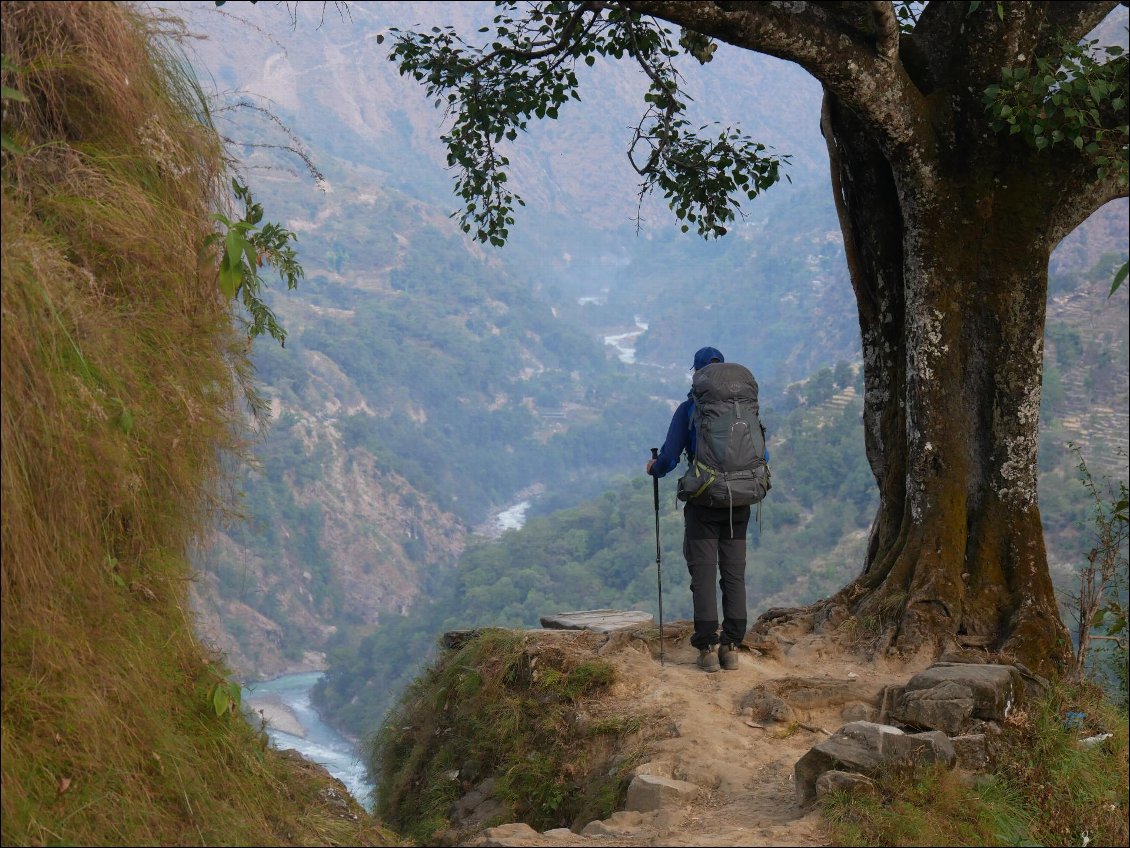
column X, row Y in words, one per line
column 625, row 343
column 287, row 700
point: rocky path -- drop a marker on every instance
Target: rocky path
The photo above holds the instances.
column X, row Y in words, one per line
column 721, row 772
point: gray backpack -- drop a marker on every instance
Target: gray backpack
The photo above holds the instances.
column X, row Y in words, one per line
column 728, row 468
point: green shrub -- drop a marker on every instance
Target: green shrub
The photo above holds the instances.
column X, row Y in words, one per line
column 1043, row 788
column 506, row 705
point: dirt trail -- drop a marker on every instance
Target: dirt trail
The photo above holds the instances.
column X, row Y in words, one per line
column 744, row 772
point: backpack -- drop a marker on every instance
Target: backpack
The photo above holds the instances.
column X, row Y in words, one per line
column 728, row 468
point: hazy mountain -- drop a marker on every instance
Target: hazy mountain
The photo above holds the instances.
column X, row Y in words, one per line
column 427, row 380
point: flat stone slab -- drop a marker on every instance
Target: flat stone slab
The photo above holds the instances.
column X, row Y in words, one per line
column 599, row 620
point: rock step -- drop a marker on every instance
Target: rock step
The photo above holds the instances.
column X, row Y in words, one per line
column 598, row 620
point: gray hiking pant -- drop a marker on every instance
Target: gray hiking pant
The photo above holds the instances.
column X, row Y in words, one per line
column 714, row 544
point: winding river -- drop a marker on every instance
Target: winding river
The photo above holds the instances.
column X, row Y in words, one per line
column 295, row 724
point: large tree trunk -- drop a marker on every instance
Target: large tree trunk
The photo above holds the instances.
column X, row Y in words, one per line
column 950, row 280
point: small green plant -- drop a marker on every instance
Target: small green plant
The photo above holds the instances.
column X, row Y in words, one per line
column 7, row 94
column 224, row 696
column 248, row 247
column 1060, row 101
column 1100, row 606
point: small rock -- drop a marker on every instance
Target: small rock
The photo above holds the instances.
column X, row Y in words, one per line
column 505, row 835
column 858, row 711
column 622, row 823
column 453, row 640
column 972, row 751
column 657, row 768
column 559, row 833
column 843, row 781
column 765, row 706
column 647, row 793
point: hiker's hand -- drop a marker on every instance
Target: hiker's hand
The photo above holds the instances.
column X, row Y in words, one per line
column 650, row 463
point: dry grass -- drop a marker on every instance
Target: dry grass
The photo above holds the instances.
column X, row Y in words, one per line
column 120, row 373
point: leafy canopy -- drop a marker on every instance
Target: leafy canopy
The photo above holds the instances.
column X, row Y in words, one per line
column 528, row 68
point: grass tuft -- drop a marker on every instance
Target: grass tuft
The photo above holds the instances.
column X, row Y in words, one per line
column 511, row 707
column 1044, row 788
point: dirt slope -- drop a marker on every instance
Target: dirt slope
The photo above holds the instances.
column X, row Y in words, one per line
column 714, row 732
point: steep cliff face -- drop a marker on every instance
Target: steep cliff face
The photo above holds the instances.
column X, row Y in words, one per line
column 378, row 541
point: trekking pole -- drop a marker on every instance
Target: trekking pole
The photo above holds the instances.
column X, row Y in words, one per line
column 658, row 559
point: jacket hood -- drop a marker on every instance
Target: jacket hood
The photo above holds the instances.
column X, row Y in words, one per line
column 705, row 355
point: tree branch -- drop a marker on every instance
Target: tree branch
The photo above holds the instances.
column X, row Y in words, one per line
column 1071, row 20
column 1081, row 194
column 851, row 246
column 887, row 29
column 838, row 54
column 935, row 39
column 552, row 47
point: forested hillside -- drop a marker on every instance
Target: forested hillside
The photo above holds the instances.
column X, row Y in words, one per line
column 426, row 382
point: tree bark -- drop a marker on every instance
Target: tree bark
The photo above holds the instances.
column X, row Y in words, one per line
column 950, row 280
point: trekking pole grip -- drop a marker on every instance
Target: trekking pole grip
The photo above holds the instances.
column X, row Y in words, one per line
column 654, row 479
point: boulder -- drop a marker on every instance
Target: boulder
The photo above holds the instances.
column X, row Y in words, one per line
column 947, row 707
column 866, row 747
column 649, row 792
column 843, row 781
column 947, row 696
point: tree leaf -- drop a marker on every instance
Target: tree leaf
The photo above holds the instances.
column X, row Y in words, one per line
column 220, row 700
column 230, row 279
column 8, row 144
column 1119, row 279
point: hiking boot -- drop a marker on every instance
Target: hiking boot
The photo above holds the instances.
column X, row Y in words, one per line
column 708, row 660
column 728, row 657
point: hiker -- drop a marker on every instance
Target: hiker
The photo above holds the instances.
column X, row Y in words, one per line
column 727, row 473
